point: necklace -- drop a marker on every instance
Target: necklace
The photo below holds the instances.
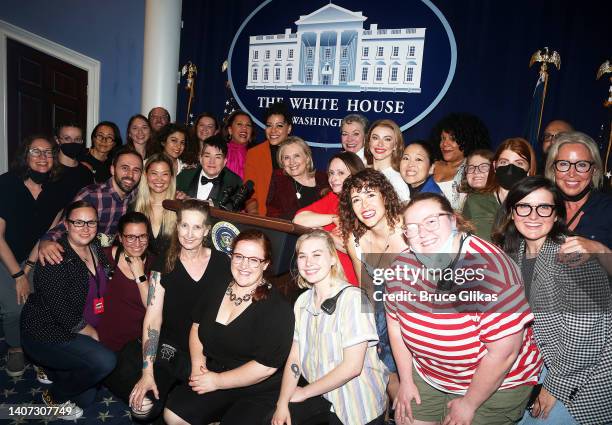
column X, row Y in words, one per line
column 297, row 192
column 239, row 300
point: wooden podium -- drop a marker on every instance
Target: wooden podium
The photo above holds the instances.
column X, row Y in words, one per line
column 282, row 233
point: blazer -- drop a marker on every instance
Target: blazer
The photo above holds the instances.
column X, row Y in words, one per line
column 258, row 168
column 54, row 311
column 282, row 202
column 188, row 181
column 573, row 330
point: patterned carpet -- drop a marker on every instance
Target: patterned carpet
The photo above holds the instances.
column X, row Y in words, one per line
column 26, row 389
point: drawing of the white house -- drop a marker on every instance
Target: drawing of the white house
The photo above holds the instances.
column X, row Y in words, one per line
column 331, row 51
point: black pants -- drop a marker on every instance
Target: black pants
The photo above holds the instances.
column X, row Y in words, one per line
column 129, row 370
column 236, row 406
column 316, row 411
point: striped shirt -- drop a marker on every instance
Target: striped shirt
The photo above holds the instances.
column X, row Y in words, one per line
column 447, row 337
column 321, row 339
column 106, row 201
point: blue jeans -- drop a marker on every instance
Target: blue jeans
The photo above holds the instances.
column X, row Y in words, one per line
column 384, row 345
column 76, row 366
column 558, row 415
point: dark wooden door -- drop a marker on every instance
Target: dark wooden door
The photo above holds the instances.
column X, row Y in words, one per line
column 43, row 91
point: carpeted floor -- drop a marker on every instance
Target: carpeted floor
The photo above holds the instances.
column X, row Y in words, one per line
column 26, row 389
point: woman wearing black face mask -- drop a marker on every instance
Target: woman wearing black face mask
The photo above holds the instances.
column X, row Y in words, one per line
column 513, row 160
column 27, row 210
column 73, row 176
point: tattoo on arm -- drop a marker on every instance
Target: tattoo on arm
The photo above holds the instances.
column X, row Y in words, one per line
column 149, row 349
column 296, row 370
column 155, row 276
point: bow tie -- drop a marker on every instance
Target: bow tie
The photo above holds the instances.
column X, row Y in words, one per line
column 205, row 180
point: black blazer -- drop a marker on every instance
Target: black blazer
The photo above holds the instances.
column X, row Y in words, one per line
column 54, row 311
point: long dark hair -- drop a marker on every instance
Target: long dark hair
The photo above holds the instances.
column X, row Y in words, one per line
column 262, row 292
column 19, row 164
column 507, row 235
column 132, row 217
column 175, row 246
column 190, row 154
column 128, row 140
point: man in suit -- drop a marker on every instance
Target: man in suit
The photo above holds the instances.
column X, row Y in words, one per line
column 212, row 180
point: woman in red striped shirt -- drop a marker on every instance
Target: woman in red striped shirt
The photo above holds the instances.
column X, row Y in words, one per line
column 457, row 317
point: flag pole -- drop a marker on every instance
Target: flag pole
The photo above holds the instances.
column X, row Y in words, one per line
column 606, row 68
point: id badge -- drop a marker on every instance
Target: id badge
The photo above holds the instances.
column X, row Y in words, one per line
column 98, row 305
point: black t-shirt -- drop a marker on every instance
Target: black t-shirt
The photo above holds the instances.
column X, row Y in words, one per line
column 27, row 219
column 263, row 332
column 101, row 169
column 309, row 195
column 71, row 180
column 182, row 294
column 274, row 154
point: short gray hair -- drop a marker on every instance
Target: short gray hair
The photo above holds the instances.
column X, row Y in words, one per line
column 351, row 118
column 578, row 138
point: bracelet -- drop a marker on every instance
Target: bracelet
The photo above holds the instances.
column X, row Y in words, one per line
column 18, row 274
column 30, row 263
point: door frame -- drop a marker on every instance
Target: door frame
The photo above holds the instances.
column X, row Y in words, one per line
column 90, row 65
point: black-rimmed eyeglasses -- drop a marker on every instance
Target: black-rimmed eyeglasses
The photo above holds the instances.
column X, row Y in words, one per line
column 253, row 262
column 543, row 210
column 581, row 166
column 82, row 223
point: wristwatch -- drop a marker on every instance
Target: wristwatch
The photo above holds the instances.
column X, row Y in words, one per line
column 141, row 279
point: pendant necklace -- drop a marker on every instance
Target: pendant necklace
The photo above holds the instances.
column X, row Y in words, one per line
column 239, row 300
column 298, row 195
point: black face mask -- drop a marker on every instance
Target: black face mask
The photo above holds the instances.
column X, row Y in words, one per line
column 38, row 177
column 72, row 150
column 508, row 175
column 577, row 197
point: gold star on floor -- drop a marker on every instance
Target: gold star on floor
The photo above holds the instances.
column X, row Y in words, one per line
column 35, row 391
column 103, row 416
column 108, row 400
column 9, row 392
column 18, row 421
column 46, row 420
column 127, row 414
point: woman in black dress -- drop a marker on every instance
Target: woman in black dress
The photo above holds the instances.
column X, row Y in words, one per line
column 146, row 373
column 240, row 338
column 105, row 137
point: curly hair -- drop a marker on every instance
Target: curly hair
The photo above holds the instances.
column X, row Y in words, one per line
column 367, row 179
column 190, row 154
column 469, row 131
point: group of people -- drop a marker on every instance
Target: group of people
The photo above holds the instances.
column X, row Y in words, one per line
column 101, row 285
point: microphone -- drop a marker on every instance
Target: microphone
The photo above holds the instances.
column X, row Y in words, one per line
column 225, row 200
column 236, row 203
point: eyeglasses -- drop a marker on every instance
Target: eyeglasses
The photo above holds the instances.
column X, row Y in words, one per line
column 580, row 166
column 35, row 152
column 548, row 136
column 431, row 223
column 102, row 138
column 68, row 139
column 543, row 210
column 144, row 238
column 481, row 168
column 253, row 262
column 81, row 223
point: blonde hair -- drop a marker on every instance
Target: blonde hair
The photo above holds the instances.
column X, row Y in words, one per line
column 336, row 272
column 294, row 140
column 578, row 138
column 142, row 203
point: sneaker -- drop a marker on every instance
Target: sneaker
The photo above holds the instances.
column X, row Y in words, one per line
column 15, row 364
column 67, row 411
column 41, row 376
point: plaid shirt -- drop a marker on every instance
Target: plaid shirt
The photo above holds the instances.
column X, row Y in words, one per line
column 106, row 201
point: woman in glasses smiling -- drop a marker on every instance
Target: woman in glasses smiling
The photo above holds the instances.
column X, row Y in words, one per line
column 104, row 138
column 27, row 210
column 571, row 304
column 575, row 165
column 59, row 320
column 239, row 341
column 457, row 323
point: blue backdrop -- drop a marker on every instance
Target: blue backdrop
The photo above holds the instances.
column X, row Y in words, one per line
column 495, row 40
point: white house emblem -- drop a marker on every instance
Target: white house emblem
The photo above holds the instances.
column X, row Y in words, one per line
column 331, row 51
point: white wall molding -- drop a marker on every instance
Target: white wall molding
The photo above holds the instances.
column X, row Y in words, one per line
column 92, row 66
